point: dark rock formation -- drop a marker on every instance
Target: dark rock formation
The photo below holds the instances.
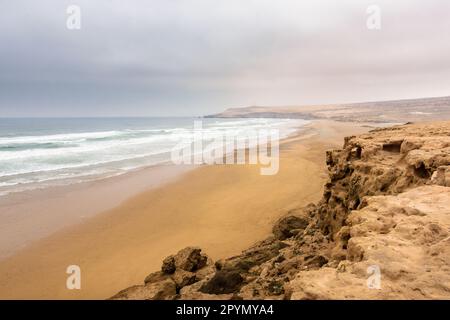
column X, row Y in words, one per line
column 223, row 281
column 289, row 226
column 177, row 271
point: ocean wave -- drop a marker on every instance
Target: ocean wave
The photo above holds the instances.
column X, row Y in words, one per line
column 31, row 159
column 32, row 146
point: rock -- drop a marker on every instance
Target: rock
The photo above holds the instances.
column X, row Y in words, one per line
column 183, row 278
column 168, row 265
column 155, row 277
column 410, row 144
column 190, row 259
column 177, row 271
column 162, row 290
column 284, row 227
column 207, row 271
column 254, row 256
column 393, row 146
column 219, row 264
column 223, row 282
column 275, row 288
column 316, row 261
column 411, row 256
column 287, row 265
column 441, row 176
column 193, row 292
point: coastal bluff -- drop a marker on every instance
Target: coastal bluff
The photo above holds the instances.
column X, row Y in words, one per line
column 385, row 211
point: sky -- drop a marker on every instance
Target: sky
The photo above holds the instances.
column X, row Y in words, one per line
column 197, row 57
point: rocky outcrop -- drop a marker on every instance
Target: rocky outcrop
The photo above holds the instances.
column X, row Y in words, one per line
column 188, row 259
column 289, row 226
column 185, row 268
column 381, row 231
column 404, row 238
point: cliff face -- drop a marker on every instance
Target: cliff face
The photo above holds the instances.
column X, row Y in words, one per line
column 386, row 206
column 381, row 231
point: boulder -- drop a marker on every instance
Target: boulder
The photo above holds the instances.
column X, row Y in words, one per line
column 190, row 259
column 183, row 278
column 168, row 265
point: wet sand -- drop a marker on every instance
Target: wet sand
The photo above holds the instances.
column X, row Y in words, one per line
column 32, row 215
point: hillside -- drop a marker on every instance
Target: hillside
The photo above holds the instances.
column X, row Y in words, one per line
column 382, row 111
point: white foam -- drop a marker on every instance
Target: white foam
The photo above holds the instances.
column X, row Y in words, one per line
column 78, row 155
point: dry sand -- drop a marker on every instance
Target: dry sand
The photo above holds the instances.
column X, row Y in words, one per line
column 221, row 208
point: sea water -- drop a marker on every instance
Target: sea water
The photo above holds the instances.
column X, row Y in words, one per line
column 42, row 152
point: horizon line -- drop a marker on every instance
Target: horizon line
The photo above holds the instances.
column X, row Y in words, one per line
column 207, row 115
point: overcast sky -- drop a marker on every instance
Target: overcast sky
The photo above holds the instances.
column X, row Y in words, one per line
column 194, row 57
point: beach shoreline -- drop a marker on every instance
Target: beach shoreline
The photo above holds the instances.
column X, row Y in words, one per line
column 81, row 201
column 125, row 238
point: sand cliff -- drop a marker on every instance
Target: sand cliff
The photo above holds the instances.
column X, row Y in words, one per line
column 385, row 207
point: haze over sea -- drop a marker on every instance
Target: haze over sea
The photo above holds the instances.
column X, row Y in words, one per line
column 41, row 152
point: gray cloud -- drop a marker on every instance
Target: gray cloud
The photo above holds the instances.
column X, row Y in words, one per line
column 199, row 56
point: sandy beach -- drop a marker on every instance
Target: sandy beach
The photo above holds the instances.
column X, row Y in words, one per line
column 63, row 206
column 129, row 225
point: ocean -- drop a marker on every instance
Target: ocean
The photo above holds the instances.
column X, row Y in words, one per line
column 43, row 152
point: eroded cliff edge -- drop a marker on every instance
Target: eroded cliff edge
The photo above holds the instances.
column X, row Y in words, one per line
column 386, row 206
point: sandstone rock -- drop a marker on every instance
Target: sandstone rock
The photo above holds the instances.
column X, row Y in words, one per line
column 289, row 226
column 393, row 145
column 316, row 261
column 410, row 144
column 392, row 160
column 412, row 255
column 168, row 265
column 155, row 277
column 183, row 278
column 207, row 271
column 192, row 292
column 441, row 176
column 254, row 256
column 224, row 281
column 190, row 259
column 177, row 271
